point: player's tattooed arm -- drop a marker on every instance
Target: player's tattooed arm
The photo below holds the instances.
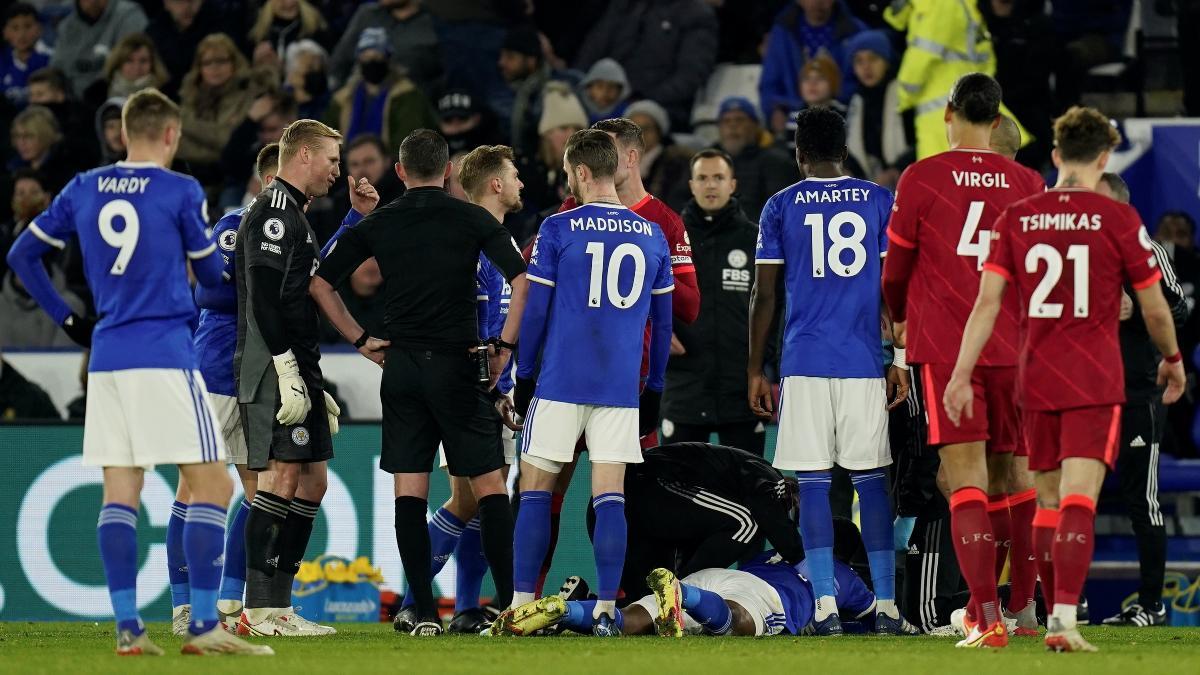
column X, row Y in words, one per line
column 762, row 313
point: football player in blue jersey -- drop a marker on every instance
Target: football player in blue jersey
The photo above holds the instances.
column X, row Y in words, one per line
column 600, row 272
column 828, row 233
column 765, row 597
column 489, row 179
column 216, row 340
column 138, row 224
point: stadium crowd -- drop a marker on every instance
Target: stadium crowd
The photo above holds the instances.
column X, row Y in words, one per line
column 530, row 74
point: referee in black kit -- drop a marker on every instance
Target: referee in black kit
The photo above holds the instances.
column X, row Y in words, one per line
column 428, row 244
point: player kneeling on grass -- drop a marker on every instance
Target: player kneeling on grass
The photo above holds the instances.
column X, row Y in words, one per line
column 766, row 597
column 146, row 401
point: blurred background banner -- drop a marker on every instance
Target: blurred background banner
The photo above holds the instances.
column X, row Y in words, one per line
column 50, row 566
column 1162, row 166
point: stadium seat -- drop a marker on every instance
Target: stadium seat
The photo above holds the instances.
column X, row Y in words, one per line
column 727, row 79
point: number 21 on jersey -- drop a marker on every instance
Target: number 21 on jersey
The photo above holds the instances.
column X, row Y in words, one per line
column 126, row 240
column 1078, row 255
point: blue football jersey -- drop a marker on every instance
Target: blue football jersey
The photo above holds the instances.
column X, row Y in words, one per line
column 137, row 224
column 830, row 234
column 796, row 594
column 216, row 334
column 603, row 262
column 499, row 293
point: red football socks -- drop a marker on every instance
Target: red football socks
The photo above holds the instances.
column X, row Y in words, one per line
column 997, row 510
column 1074, row 542
column 1045, row 521
column 976, row 550
column 1022, row 566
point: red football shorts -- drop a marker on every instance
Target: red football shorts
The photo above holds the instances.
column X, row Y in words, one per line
column 1093, row 432
column 994, row 411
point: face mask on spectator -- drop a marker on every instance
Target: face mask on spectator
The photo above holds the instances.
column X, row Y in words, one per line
column 316, row 83
column 374, row 71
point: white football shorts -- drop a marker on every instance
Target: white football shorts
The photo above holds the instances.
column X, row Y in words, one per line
column 754, row 595
column 229, row 419
column 552, row 429
column 825, row 421
column 147, row 416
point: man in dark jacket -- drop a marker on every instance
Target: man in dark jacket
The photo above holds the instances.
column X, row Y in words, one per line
column 179, row 29
column 693, row 506
column 1143, row 422
column 667, row 47
column 706, row 376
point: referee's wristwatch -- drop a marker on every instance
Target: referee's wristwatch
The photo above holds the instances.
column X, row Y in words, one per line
column 362, row 340
column 501, row 344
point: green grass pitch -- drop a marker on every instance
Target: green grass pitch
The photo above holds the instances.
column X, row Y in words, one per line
column 374, row 648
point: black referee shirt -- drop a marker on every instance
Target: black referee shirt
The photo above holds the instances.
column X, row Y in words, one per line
column 427, row 244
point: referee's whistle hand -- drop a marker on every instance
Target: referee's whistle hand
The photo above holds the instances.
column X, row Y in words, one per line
column 375, row 349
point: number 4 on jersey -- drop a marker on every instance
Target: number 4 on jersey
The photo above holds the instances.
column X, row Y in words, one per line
column 968, row 244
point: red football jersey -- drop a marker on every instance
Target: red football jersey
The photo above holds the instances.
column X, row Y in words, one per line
column 945, row 206
column 1067, row 252
column 685, row 301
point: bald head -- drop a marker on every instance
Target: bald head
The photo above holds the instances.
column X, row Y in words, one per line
column 1114, row 187
column 1006, row 137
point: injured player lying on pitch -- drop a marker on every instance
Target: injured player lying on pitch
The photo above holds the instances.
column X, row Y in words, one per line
column 765, row 597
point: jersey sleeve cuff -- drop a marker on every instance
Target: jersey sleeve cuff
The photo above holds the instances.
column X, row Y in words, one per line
column 660, row 291
column 540, row 280
column 47, row 239
column 768, row 261
column 899, row 240
column 1149, row 281
column 202, row 253
column 993, row 267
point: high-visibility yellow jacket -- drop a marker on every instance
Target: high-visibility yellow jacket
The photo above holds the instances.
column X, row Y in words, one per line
column 946, row 40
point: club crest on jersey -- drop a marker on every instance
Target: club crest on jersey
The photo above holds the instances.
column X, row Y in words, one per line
column 737, row 258
column 228, row 240
column 300, row 436
column 273, row 228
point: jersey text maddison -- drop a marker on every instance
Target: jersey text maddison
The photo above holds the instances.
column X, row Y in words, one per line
column 603, row 262
column 137, row 224
column 830, row 234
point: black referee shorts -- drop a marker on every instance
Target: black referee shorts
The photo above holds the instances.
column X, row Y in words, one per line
column 430, row 398
column 267, row 439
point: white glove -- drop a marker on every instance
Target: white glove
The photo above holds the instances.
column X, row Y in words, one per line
column 293, row 394
column 331, row 413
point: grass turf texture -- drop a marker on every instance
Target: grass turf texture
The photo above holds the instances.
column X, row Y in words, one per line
column 369, row 648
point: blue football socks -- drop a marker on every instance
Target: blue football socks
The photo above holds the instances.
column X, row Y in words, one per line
column 204, row 544
column 531, row 539
column 233, row 573
column 875, row 514
column 707, row 608
column 816, row 528
column 444, row 530
column 116, row 533
column 471, row 567
column 608, row 543
column 177, row 570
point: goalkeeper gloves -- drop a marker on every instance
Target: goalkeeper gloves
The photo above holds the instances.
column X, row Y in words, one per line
column 79, row 329
column 293, row 393
column 648, row 405
column 332, row 410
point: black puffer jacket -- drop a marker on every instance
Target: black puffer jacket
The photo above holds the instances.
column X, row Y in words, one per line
column 707, row 385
